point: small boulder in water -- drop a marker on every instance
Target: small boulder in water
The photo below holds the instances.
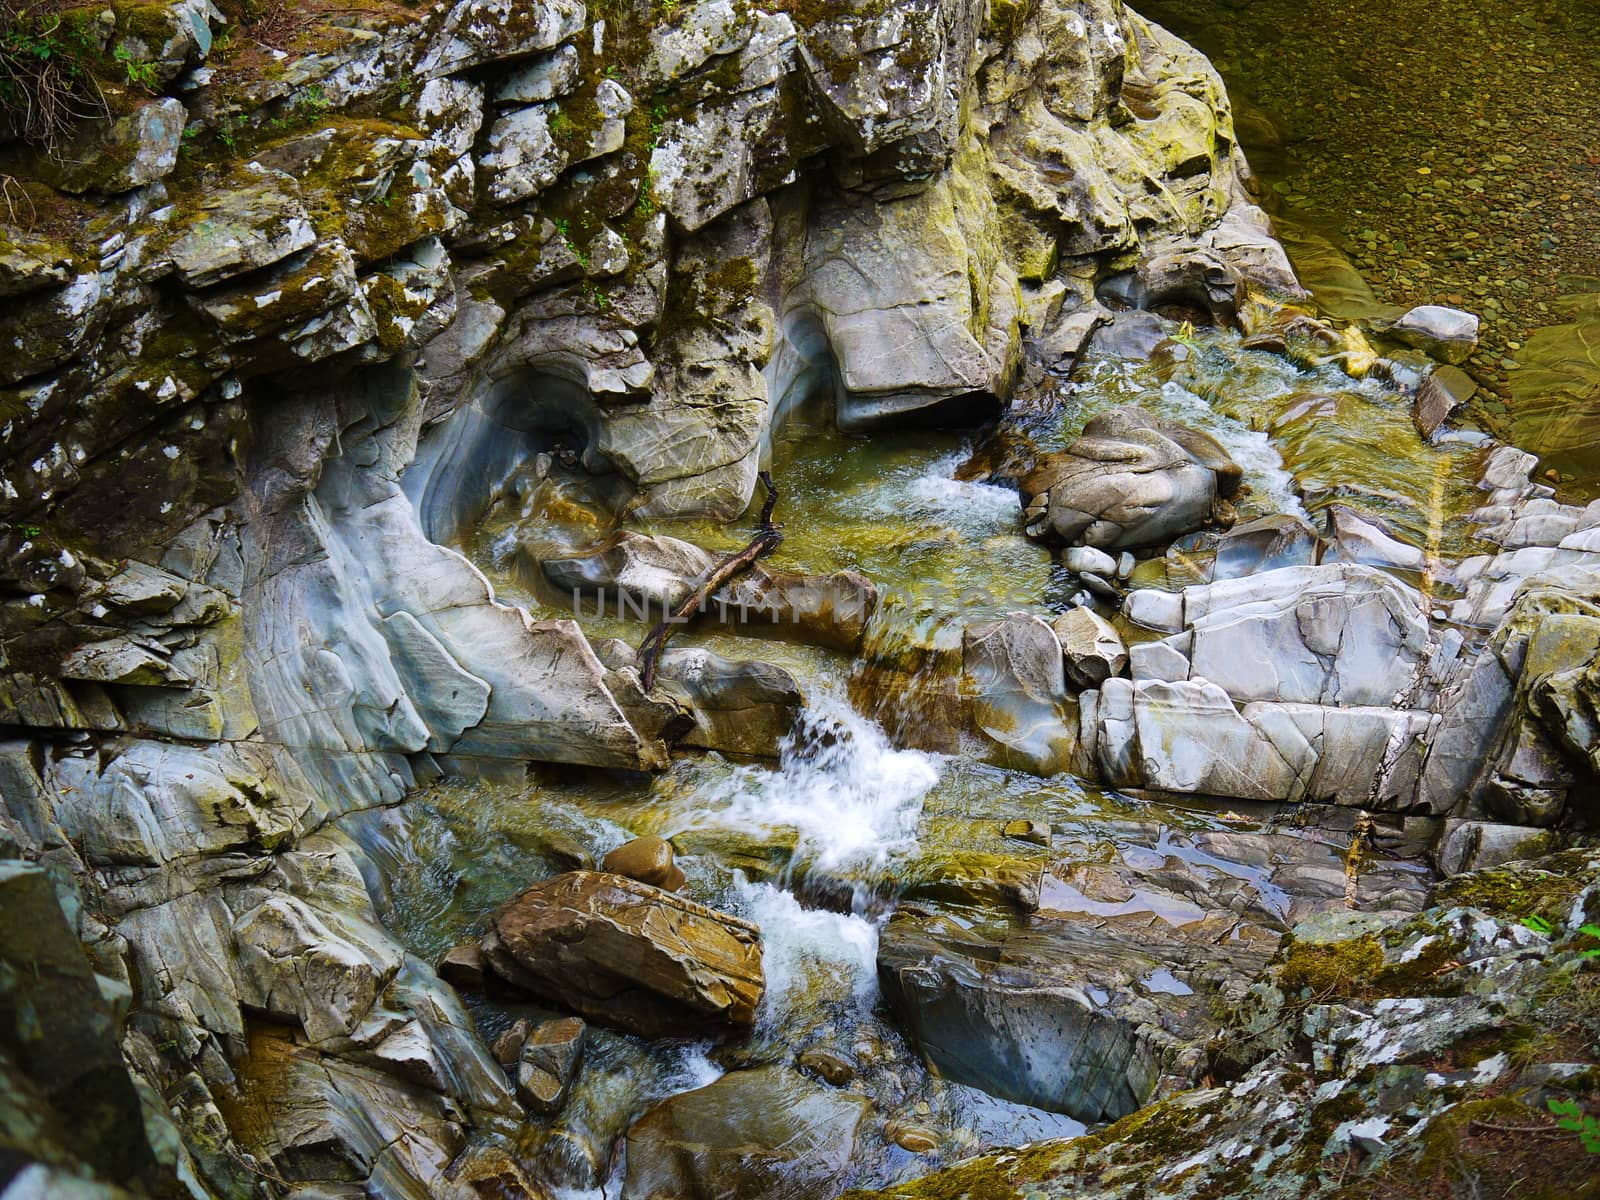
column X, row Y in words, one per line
column 834, row 1068
column 628, row 955
column 1131, row 479
column 1091, row 648
column 1448, row 334
column 648, row 859
column 462, row 967
column 547, row 1063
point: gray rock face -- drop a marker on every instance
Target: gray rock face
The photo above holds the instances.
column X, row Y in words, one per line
column 1051, row 1014
column 124, row 154
column 1131, row 479
column 765, row 1134
column 625, row 954
column 1403, row 1058
column 746, row 708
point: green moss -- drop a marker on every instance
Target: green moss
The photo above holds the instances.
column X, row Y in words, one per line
column 1522, row 890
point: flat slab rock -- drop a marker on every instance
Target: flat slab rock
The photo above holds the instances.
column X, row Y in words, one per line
column 628, row 955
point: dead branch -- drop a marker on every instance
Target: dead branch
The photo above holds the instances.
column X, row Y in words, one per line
column 767, row 539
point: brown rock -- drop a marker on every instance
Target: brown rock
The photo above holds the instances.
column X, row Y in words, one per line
column 911, row 1137
column 548, row 1063
column 507, row 1047
column 1026, row 830
column 628, row 955
column 835, row 1068
column 462, row 967
column 1439, row 395
column 647, row 859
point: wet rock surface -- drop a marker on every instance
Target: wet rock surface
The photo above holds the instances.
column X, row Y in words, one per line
column 768, row 1133
column 1371, row 1050
column 629, row 955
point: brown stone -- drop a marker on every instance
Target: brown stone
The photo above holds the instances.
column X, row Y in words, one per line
column 548, row 1063
column 647, row 859
column 507, row 1047
column 462, row 967
column 834, row 1068
column 1439, row 395
column 628, row 955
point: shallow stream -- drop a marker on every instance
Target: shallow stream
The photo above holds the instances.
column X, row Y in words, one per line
column 820, row 847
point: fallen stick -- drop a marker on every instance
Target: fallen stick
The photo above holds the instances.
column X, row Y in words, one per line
column 767, row 539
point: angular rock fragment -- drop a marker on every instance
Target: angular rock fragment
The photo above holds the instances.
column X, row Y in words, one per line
column 547, row 1061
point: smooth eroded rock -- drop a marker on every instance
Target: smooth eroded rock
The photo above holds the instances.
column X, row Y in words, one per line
column 1130, row 479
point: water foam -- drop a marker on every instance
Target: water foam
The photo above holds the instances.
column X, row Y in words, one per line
column 807, row 951
column 852, row 798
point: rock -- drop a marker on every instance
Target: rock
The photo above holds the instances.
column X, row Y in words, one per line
column 912, row 1138
column 1131, row 479
column 1354, row 539
column 1048, row 1014
column 1016, row 676
column 1132, row 334
column 738, row 707
column 547, row 1062
column 1445, row 389
column 1157, row 660
column 1025, row 829
column 759, row 1135
column 647, row 859
column 834, row 1068
column 1189, row 736
column 507, row 1048
column 628, row 955
column 122, row 154
column 463, row 967
column 1087, row 558
column 259, row 221
column 1447, row 334
column 1265, row 544
column 1335, row 634
column 1474, row 845
column 62, row 1064
column 1092, row 650
column 635, row 574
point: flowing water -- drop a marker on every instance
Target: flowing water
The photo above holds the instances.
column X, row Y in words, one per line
column 821, row 846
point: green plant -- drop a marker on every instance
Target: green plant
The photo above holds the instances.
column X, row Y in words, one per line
column 312, row 102
column 140, row 74
column 1538, row 925
column 1570, row 1115
column 1590, row 930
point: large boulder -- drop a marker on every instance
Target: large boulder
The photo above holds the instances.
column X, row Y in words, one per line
column 1015, row 673
column 1131, row 479
column 628, row 955
column 767, row 1134
column 1057, row 1014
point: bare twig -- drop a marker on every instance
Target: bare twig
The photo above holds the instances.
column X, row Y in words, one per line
column 767, row 539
